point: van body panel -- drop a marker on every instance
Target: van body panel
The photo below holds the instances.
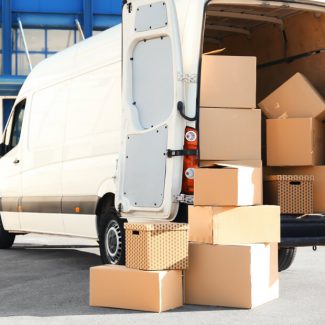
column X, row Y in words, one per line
column 63, row 165
column 84, row 223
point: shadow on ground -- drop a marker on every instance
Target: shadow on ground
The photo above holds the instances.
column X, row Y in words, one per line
column 50, row 282
column 46, row 282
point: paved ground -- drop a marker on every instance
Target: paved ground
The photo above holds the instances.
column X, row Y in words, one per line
column 43, row 285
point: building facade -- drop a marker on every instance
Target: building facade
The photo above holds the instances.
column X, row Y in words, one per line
column 33, row 30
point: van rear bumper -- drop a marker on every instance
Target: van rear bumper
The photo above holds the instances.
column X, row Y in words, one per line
column 297, row 231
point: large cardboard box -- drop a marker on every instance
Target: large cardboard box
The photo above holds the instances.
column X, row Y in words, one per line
column 295, row 142
column 119, row 287
column 159, row 246
column 230, row 134
column 234, row 225
column 295, row 98
column 228, row 81
column 229, row 184
column 232, row 276
column 318, row 185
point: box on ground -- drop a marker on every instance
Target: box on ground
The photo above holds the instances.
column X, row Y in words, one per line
column 295, row 142
column 234, row 225
column 229, row 184
column 293, row 193
column 232, row 276
column 228, row 81
column 160, row 246
column 230, row 134
column 318, row 184
column 119, row 287
column 295, row 98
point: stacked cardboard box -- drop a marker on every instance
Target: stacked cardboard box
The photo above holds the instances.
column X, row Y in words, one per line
column 152, row 279
column 233, row 238
column 295, row 137
column 230, row 133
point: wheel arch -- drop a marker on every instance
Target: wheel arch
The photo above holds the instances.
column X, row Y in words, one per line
column 104, row 202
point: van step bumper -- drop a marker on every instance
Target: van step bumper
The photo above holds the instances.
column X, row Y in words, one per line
column 298, row 231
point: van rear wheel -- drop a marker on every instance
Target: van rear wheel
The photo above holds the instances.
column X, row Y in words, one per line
column 286, row 257
column 6, row 239
column 111, row 238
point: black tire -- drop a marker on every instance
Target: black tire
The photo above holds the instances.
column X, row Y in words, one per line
column 111, row 238
column 286, row 257
column 6, row 239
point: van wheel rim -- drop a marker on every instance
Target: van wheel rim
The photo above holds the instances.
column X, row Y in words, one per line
column 113, row 241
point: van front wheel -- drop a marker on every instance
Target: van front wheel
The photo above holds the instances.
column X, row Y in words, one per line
column 6, row 239
column 111, row 239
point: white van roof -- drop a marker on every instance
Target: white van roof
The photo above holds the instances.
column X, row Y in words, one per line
column 96, row 51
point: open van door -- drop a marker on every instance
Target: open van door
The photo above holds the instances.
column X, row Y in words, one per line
column 149, row 176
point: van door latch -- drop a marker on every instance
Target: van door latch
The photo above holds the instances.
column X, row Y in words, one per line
column 129, row 6
column 177, row 153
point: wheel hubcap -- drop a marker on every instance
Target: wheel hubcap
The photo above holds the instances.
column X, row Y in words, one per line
column 113, row 242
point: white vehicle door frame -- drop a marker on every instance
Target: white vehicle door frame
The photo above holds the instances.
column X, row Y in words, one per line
column 152, row 88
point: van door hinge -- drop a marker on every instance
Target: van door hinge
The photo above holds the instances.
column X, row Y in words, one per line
column 185, row 198
column 188, row 78
column 177, row 153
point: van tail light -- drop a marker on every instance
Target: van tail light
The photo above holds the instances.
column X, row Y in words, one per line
column 190, row 160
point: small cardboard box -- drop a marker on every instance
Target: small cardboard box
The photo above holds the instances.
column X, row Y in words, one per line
column 228, row 81
column 293, row 193
column 119, row 287
column 318, row 172
column 160, row 246
column 295, row 142
column 295, row 98
column 229, row 184
column 230, row 134
column 234, row 225
column 232, row 276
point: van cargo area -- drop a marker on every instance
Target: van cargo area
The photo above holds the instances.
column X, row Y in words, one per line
column 284, row 40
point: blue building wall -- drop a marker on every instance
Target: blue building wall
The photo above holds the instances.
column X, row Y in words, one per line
column 93, row 15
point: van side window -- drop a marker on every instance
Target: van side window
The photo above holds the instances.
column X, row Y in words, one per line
column 13, row 131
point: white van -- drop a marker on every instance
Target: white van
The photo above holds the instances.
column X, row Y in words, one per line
column 80, row 156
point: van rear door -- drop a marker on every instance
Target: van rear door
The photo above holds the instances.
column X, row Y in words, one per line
column 148, row 180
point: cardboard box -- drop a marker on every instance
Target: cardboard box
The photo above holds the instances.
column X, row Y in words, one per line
column 295, row 98
column 232, row 276
column 293, row 193
column 119, row 287
column 234, row 225
column 230, row 134
column 295, row 142
column 228, row 81
column 318, row 186
column 229, row 184
column 159, row 246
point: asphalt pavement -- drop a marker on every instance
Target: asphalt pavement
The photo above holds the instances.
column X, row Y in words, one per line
column 45, row 280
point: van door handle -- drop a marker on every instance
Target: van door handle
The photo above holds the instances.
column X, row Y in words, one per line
column 16, row 161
